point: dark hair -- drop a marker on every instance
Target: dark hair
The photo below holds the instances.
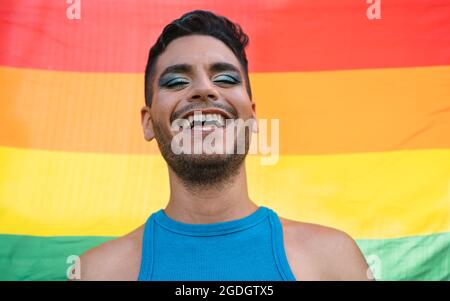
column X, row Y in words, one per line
column 204, row 23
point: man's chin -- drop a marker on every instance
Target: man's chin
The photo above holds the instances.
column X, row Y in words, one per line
column 210, row 159
column 205, row 159
column 200, row 170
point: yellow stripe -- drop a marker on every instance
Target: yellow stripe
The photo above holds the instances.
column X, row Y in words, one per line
column 356, row 110
column 373, row 195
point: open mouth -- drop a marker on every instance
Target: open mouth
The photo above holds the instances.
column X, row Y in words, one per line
column 206, row 120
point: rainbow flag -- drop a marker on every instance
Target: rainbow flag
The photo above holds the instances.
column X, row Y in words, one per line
column 363, row 104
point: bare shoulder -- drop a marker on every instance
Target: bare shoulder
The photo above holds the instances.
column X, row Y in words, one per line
column 317, row 252
column 117, row 259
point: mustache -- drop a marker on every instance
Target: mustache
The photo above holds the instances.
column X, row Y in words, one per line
column 203, row 106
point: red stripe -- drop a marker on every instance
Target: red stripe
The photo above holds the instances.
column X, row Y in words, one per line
column 291, row 35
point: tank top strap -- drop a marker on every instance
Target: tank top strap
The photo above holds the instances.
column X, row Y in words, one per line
column 147, row 249
column 278, row 247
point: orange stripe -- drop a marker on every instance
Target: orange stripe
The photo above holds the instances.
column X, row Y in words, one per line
column 319, row 112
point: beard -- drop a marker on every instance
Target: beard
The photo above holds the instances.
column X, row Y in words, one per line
column 198, row 171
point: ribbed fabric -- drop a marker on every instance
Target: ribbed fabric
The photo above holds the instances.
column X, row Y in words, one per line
column 246, row 249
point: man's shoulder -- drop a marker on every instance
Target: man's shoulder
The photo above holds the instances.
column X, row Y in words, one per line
column 319, row 252
column 311, row 234
column 116, row 259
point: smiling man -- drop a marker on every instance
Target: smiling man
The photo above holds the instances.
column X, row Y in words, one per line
column 197, row 75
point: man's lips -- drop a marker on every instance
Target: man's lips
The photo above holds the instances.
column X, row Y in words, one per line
column 206, row 120
column 206, row 111
column 226, row 111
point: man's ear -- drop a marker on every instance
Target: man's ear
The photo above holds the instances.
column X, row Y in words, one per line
column 147, row 123
column 255, row 123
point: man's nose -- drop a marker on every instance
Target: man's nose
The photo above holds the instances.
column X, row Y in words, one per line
column 203, row 90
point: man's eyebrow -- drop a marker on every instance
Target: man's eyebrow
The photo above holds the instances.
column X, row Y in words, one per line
column 178, row 68
column 186, row 68
column 222, row 66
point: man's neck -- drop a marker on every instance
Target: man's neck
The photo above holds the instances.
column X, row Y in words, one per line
column 210, row 204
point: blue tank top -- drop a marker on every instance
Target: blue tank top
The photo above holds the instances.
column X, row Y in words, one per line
column 246, row 249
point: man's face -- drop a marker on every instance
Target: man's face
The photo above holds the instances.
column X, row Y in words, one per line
column 199, row 74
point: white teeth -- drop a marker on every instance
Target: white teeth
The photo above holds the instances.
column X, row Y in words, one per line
column 198, row 117
column 218, row 119
column 191, row 119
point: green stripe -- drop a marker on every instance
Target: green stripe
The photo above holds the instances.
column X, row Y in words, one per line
column 44, row 258
column 41, row 258
column 409, row 258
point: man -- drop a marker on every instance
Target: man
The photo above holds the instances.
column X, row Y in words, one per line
column 211, row 230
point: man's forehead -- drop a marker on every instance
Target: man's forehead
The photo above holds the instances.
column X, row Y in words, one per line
column 196, row 51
